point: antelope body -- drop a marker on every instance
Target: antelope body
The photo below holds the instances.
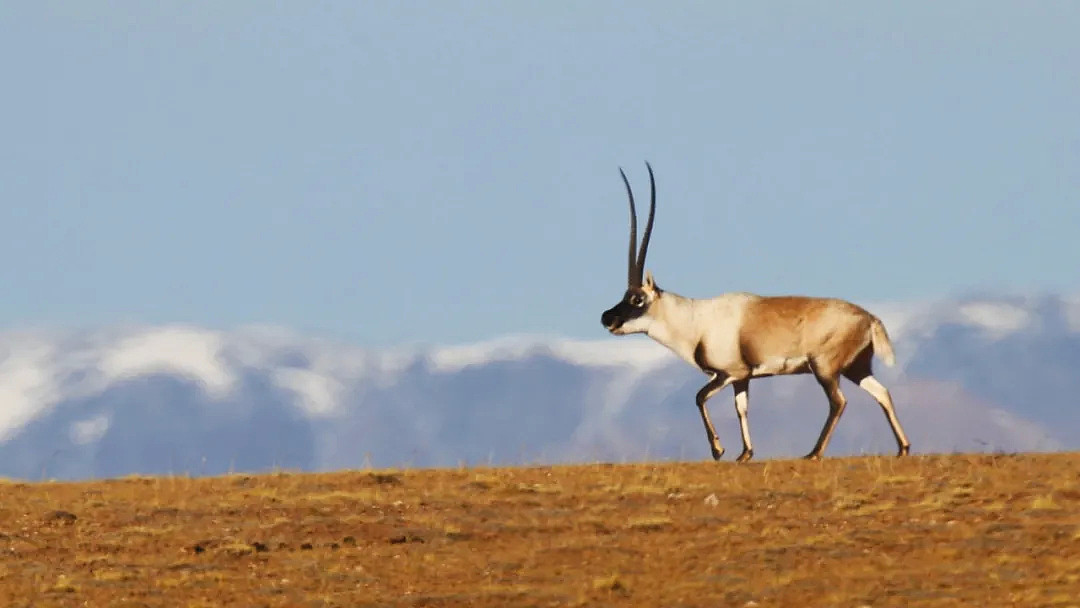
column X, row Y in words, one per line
column 738, row 336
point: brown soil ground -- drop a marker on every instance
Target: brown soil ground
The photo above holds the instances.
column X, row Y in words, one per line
column 957, row 530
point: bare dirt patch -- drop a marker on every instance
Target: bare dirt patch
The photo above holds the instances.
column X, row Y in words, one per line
column 976, row 530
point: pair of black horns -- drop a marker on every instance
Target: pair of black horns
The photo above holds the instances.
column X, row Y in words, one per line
column 636, row 264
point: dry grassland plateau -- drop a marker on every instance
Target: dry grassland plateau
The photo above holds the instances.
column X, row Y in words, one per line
column 948, row 530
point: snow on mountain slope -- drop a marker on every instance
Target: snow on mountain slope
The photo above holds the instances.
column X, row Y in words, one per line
column 975, row 374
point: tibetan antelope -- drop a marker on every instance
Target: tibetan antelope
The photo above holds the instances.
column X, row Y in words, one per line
column 735, row 337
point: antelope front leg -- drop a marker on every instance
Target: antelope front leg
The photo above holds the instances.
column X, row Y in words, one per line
column 714, row 386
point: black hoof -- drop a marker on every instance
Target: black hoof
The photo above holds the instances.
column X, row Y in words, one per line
column 746, row 455
column 717, row 454
column 812, row 456
column 904, row 450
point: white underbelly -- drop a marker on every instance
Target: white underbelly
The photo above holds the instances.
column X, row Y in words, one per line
column 781, row 365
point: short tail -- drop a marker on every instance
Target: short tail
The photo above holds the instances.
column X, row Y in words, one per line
column 879, row 339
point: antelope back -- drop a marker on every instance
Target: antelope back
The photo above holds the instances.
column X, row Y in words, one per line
column 791, row 331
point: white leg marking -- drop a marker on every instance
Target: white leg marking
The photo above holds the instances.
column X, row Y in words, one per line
column 881, row 394
column 742, row 404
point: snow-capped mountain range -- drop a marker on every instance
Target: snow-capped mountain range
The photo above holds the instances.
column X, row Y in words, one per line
column 994, row 373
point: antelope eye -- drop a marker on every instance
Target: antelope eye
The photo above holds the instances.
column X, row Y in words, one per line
column 637, row 301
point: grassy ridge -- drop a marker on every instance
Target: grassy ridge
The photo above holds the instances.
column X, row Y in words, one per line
column 985, row 530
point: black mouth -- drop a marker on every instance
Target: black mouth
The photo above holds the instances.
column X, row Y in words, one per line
column 611, row 320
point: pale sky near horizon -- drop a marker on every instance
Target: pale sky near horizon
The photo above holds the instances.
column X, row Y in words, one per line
column 410, row 172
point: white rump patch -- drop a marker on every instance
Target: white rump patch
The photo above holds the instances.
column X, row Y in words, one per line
column 780, row 365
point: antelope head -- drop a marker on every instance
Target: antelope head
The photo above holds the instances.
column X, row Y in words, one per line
column 631, row 314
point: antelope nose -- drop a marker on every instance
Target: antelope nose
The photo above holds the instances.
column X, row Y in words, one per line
column 608, row 318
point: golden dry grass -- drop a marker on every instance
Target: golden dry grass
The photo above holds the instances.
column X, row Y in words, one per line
column 970, row 530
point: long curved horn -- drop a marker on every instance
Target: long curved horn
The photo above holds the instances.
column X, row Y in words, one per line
column 633, row 274
column 648, row 225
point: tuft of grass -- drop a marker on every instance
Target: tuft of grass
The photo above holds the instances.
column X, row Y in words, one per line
column 539, row 488
column 147, row 531
column 62, row 584
column 611, row 583
column 361, row 495
column 1044, row 502
column 113, row 576
column 636, row 489
column 962, row 494
column 235, row 549
column 649, row 523
column 875, row 507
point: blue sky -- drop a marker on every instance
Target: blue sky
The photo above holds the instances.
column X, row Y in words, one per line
column 391, row 172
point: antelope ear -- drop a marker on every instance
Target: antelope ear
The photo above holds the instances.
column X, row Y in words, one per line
column 649, row 283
